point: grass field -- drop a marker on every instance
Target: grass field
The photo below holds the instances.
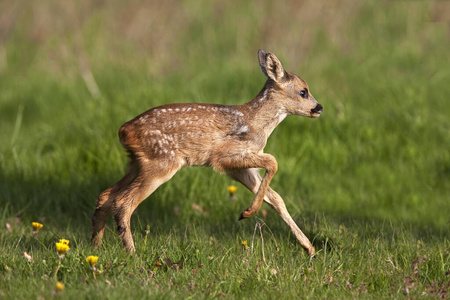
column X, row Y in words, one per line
column 368, row 182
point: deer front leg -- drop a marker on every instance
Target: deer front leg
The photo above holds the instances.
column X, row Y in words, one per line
column 255, row 206
column 251, row 179
column 251, row 160
column 277, row 203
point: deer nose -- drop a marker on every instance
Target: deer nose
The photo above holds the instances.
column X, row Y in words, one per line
column 317, row 110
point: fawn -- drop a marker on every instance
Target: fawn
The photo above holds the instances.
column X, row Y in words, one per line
column 228, row 138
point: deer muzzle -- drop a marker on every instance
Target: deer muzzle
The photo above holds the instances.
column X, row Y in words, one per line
column 315, row 112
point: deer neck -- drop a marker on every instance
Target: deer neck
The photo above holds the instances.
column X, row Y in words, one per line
column 264, row 113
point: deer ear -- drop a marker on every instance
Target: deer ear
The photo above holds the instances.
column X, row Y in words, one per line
column 270, row 66
column 262, row 61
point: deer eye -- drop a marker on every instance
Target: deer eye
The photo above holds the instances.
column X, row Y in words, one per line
column 303, row 93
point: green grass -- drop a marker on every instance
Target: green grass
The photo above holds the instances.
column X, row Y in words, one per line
column 368, row 182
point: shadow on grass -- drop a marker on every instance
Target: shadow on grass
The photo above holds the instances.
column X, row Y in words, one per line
column 68, row 206
column 325, row 231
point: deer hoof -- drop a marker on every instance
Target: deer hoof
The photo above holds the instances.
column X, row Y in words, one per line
column 96, row 242
column 244, row 215
column 312, row 252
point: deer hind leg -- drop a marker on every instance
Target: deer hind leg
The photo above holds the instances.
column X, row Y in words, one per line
column 251, row 179
column 99, row 218
column 106, row 202
column 143, row 178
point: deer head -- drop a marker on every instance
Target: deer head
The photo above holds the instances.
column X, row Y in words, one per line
column 290, row 91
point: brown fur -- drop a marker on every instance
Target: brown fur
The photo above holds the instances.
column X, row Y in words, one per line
column 230, row 139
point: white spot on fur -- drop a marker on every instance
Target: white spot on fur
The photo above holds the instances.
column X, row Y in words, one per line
column 154, row 132
column 242, row 129
column 143, row 119
column 281, row 116
column 263, row 97
column 163, row 110
column 236, row 112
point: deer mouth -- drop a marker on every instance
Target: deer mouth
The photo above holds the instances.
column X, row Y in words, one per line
column 316, row 111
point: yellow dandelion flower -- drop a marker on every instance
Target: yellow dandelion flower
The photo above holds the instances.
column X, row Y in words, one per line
column 36, row 226
column 59, row 286
column 244, row 244
column 63, row 241
column 232, row 189
column 62, row 248
column 92, row 260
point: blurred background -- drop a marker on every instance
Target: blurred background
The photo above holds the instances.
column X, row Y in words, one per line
column 72, row 72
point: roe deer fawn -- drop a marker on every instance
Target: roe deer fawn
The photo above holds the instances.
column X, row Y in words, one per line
column 230, row 139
